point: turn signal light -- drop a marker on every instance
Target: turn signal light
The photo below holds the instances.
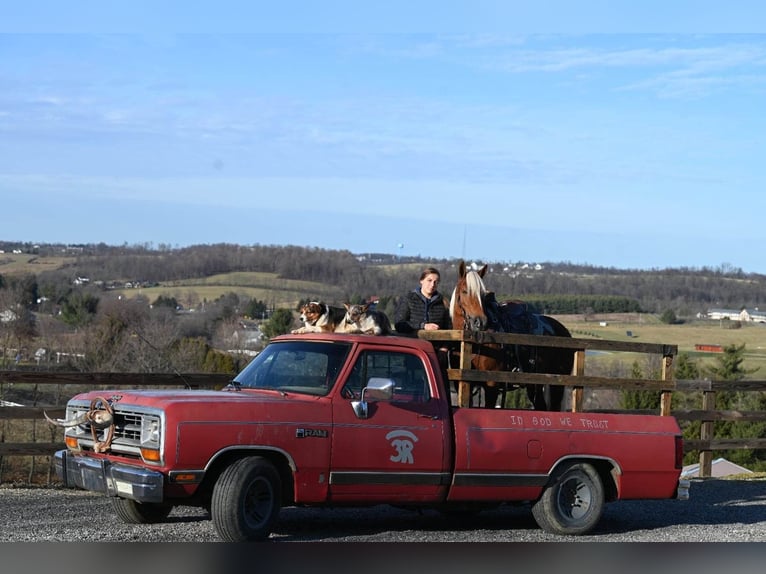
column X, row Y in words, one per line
column 150, row 455
column 72, row 443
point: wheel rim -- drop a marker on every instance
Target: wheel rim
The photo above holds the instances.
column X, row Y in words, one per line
column 574, row 499
column 258, row 502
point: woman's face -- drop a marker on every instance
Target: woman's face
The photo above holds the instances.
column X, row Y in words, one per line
column 429, row 284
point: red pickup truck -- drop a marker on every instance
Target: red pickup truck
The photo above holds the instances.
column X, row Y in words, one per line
column 331, row 419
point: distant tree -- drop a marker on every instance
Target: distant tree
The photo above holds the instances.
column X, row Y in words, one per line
column 165, row 301
column 639, row 400
column 18, row 325
column 685, row 368
column 256, row 309
column 729, row 367
column 669, row 317
column 281, row 322
column 78, row 308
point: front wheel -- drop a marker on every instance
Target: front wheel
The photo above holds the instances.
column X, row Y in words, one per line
column 132, row 512
column 246, row 500
column 573, row 503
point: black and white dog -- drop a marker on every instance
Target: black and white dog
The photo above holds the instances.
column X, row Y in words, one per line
column 361, row 319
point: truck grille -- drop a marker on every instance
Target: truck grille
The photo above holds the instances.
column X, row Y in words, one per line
column 128, row 422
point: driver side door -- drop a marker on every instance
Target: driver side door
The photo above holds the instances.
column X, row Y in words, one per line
column 397, row 453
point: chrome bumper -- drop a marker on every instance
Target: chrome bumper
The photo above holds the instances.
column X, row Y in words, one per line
column 113, row 479
column 683, row 489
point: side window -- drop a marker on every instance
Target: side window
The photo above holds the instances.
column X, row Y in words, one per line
column 407, row 371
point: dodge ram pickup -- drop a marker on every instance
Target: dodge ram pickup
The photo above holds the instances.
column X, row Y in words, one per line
column 336, row 420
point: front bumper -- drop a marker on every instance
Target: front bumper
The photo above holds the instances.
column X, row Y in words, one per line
column 114, row 479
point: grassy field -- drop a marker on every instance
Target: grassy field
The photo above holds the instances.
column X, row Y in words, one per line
column 648, row 329
column 21, row 263
column 267, row 287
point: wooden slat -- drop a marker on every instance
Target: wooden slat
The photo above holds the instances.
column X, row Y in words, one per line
column 30, row 448
column 712, row 415
column 723, row 444
column 7, row 413
column 518, row 378
column 483, row 337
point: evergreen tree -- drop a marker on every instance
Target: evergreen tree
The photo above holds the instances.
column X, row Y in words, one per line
column 281, row 322
column 686, row 369
column 639, row 400
column 729, row 367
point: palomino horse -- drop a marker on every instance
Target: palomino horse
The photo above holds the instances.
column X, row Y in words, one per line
column 474, row 308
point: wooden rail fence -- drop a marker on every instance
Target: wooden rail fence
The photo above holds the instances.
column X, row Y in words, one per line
column 72, row 382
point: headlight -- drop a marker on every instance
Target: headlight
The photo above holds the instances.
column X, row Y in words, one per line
column 150, row 431
column 73, row 413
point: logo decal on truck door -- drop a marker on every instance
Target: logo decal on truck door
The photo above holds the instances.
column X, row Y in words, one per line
column 403, row 441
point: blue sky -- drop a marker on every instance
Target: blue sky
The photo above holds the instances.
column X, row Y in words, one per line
column 606, row 141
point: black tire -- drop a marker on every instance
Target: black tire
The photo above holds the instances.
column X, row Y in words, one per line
column 573, row 503
column 132, row 512
column 246, row 500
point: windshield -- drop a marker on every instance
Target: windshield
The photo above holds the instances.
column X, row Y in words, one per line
column 308, row 367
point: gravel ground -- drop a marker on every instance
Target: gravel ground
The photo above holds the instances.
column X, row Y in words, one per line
column 717, row 511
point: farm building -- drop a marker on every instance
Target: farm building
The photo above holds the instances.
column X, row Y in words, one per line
column 753, row 315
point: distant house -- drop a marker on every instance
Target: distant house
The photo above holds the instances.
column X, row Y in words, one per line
column 719, row 467
column 753, row 315
column 7, row 316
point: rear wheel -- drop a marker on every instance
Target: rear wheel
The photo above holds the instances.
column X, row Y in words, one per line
column 246, row 500
column 132, row 512
column 572, row 503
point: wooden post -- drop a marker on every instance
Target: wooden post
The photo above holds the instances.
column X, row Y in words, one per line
column 578, row 370
column 464, row 387
column 706, row 433
column 667, row 374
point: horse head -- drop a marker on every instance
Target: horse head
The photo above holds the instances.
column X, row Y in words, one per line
column 466, row 308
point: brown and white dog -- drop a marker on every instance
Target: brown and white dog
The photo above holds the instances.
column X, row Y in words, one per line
column 319, row 317
column 361, row 319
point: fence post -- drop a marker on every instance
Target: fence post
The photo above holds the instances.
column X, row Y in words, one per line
column 667, row 374
column 578, row 369
column 706, row 434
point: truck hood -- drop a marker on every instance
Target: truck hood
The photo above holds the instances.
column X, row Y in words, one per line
column 201, row 400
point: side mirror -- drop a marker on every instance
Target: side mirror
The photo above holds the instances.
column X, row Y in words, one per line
column 377, row 389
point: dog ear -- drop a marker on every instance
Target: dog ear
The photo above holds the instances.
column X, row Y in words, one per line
column 347, row 306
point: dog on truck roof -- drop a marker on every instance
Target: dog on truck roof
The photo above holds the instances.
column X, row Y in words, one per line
column 361, row 319
column 319, row 317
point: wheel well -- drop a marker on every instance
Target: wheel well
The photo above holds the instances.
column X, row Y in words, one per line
column 606, row 469
column 226, row 459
